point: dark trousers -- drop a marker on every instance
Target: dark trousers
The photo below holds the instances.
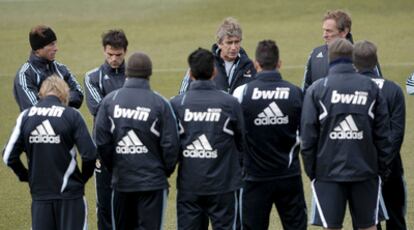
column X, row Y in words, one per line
column 286, row 194
column 103, row 197
column 139, row 210
column 59, row 214
column 394, row 194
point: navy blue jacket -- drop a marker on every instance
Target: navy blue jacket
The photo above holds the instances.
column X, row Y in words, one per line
column 30, row 76
column 48, row 133
column 211, row 137
column 272, row 109
column 345, row 127
column 243, row 72
column 137, row 137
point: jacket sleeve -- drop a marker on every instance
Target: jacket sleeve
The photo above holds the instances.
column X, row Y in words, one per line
column 104, row 140
column 169, row 140
column 410, row 84
column 309, row 130
column 85, row 145
column 397, row 121
column 239, row 131
column 93, row 93
column 13, row 150
column 76, row 93
column 25, row 87
column 307, row 76
column 185, row 83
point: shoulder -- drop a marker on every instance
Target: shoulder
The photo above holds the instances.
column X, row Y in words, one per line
column 93, row 73
column 25, row 69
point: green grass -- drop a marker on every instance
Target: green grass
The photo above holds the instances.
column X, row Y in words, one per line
column 168, row 31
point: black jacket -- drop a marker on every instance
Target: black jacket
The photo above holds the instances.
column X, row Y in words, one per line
column 345, row 127
column 48, row 133
column 272, row 109
column 137, row 137
column 211, row 131
column 244, row 72
column 30, row 76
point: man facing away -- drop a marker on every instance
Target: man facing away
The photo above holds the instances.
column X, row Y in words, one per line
column 48, row 133
column 345, row 145
column 137, row 139
column 211, row 138
column 99, row 82
column 272, row 110
column 42, row 64
column 234, row 67
column 393, row 189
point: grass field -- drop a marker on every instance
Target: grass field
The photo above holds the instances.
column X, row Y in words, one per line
column 168, row 30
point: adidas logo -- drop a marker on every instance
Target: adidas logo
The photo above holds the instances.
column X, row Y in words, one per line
column 212, row 114
column 44, row 133
column 271, row 115
column 357, row 98
column 320, row 55
column 130, row 144
column 200, row 148
column 346, row 129
column 277, row 93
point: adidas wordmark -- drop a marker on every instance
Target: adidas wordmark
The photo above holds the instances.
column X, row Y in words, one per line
column 346, row 129
column 200, row 148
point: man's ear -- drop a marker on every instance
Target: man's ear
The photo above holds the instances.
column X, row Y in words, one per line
column 214, row 73
column 257, row 66
column 279, row 64
column 191, row 75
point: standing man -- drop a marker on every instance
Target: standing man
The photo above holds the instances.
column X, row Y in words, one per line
column 42, row 64
column 345, row 145
column 393, row 189
column 234, row 67
column 137, row 139
column 48, row 133
column 410, row 84
column 272, row 109
column 99, row 82
column 211, row 131
column 336, row 24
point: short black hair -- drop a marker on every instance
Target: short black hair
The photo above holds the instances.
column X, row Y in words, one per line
column 267, row 54
column 115, row 38
column 201, row 62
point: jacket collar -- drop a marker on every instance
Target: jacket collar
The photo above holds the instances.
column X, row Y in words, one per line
column 108, row 69
column 269, row 75
column 51, row 99
column 203, row 85
column 341, row 65
column 136, row 83
column 39, row 62
column 370, row 73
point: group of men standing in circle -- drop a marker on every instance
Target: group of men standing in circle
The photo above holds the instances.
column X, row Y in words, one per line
column 235, row 131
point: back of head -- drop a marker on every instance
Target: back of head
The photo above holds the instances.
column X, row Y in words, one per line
column 267, row 54
column 139, row 66
column 230, row 27
column 115, row 38
column 342, row 19
column 201, row 62
column 41, row 36
column 56, row 86
column 340, row 48
column 365, row 55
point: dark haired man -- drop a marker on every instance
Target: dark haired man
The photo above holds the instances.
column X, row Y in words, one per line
column 393, row 189
column 271, row 108
column 137, row 139
column 42, row 64
column 211, row 137
column 48, row 133
column 99, row 82
column 345, row 144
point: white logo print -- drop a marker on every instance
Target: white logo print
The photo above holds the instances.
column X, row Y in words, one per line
column 130, row 144
column 320, row 55
column 271, row 115
column 54, row 111
column 139, row 113
column 277, row 93
column 212, row 114
column 200, row 148
column 358, row 98
column 347, row 129
column 379, row 82
column 44, row 133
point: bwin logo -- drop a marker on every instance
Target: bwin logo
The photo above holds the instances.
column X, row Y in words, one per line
column 200, row 148
column 44, row 133
column 271, row 115
column 54, row 111
column 278, row 93
column 139, row 113
column 358, row 98
column 346, row 130
column 130, row 144
column 212, row 114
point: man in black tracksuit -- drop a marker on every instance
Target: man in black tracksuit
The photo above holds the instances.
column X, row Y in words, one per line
column 48, row 133
column 234, row 67
column 272, row 110
column 211, row 131
column 137, row 139
column 345, row 145
column 99, row 82
column 393, row 189
column 42, row 64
